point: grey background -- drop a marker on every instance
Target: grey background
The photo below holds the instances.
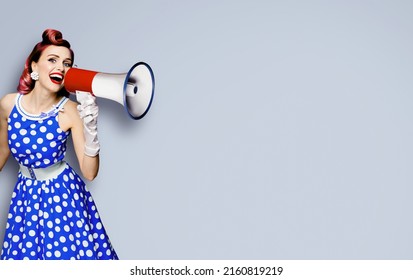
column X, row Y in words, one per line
column 279, row 129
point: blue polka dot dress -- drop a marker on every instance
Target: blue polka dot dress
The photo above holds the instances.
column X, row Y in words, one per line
column 54, row 218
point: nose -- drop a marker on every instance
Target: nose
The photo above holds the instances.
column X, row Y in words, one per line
column 60, row 67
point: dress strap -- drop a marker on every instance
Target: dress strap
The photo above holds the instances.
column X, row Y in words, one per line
column 62, row 103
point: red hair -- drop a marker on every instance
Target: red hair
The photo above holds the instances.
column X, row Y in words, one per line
column 50, row 37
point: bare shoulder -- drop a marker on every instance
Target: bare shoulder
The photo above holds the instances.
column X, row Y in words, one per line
column 6, row 104
column 71, row 106
column 69, row 117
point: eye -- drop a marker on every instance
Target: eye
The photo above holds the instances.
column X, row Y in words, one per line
column 67, row 64
column 53, row 60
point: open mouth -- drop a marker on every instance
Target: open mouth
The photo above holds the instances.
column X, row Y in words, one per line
column 56, row 78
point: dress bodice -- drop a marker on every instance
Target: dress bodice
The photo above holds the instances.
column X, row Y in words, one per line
column 36, row 141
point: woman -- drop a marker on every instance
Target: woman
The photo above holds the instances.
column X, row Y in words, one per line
column 52, row 215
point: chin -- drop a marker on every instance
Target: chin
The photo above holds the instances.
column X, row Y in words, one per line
column 55, row 89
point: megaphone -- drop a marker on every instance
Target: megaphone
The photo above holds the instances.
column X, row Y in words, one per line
column 134, row 89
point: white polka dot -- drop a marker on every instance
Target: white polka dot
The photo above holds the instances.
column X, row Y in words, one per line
column 43, row 129
column 49, row 136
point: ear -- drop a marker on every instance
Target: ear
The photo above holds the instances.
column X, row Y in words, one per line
column 34, row 66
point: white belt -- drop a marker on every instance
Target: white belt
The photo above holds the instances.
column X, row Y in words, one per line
column 43, row 173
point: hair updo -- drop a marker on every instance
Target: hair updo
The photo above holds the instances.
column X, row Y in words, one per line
column 49, row 37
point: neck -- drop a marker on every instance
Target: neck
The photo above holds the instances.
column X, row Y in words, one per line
column 38, row 101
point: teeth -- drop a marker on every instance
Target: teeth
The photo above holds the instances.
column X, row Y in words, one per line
column 56, row 76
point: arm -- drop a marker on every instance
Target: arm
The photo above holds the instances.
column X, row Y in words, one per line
column 6, row 105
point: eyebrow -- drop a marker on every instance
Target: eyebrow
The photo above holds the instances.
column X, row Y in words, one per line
column 58, row 56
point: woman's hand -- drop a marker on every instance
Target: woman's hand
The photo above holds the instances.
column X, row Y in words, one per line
column 88, row 111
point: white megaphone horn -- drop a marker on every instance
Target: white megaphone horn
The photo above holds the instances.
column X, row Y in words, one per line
column 134, row 89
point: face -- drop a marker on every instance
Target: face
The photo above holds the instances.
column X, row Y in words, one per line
column 52, row 67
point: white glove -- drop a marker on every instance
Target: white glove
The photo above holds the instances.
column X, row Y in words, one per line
column 88, row 111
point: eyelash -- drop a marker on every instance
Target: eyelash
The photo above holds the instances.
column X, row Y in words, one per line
column 67, row 64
